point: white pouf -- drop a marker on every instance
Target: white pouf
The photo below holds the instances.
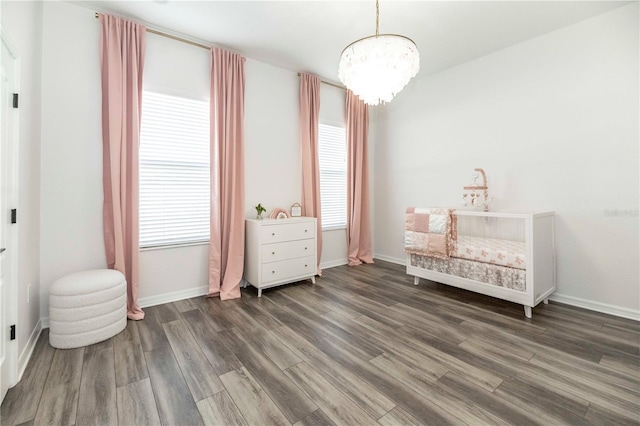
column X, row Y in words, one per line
column 86, row 308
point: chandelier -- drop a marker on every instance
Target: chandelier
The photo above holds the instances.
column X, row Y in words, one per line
column 378, row 67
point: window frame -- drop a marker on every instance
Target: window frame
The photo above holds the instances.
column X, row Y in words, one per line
column 150, row 162
column 343, row 127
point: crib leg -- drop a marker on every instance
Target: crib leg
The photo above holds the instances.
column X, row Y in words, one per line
column 416, row 280
column 527, row 311
column 546, row 301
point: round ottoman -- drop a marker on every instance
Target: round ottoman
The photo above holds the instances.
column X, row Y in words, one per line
column 86, row 308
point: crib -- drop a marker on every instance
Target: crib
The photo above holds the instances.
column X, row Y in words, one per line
column 510, row 256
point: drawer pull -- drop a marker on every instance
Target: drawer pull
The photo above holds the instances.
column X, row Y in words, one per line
column 305, row 266
column 273, row 272
column 305, row 230
column 273, row 234
column 273, row 252
column 305, row 248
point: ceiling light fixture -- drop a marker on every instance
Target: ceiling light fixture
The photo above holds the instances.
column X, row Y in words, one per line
column 378, row 67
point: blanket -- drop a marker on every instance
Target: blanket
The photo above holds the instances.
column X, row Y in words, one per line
column 430, row 232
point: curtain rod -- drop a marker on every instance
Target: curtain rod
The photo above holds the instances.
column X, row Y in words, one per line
column 163, row 34
column 329, row 83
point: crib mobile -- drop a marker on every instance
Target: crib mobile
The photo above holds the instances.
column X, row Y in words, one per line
column 477, row 194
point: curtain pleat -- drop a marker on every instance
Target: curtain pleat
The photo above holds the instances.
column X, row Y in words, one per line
column 122, row 47
column 309, row 120
column 226, row 246
column 358, row 222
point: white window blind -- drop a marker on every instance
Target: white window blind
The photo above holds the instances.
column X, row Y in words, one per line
column 332, row 158
column 174, row 170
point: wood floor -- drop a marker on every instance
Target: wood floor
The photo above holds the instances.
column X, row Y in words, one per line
column 363, row 346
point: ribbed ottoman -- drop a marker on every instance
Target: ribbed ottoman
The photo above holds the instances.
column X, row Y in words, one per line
column 86, row 308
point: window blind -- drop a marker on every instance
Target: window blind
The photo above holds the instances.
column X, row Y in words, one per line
column 174, row 170
column 332, row 159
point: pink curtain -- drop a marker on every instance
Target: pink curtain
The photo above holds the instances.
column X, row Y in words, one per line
column 358, row 224
column 122, row 47
column 226, row 247
column 309, row 118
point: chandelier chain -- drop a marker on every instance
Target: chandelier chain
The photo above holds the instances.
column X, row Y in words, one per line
column 377, row 17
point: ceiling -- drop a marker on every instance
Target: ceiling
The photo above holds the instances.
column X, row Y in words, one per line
column 310, row 35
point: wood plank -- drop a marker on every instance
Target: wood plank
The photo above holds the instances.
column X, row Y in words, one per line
column 184, row 305
column 593, row 378
column 317, row 418
column 399, row 417
column 600, row 416
column 340, row 409
column 219, row 409
column 362, row 393
column 387, row 384
column 363, row 346
column 21, row 402
column 130, row 365
column 167, row 312
column 293, row 403
column 428, row 387
column 244, row 322
column 274, row 349
column 136, row 405
column 97, row 401
column 59, row 402
column 152, row 335
column 214, row 345
column 632, row 369
column 539, row 400
column 254, row 404
column 169, row 384
column 488, row 401
column 198, row 373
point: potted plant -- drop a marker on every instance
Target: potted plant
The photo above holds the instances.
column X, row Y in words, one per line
column 260, row 210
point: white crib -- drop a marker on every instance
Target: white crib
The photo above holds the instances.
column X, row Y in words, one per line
column 532, row 283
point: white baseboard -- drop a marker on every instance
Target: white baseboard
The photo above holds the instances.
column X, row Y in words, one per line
column 604, row 308
column 561, row 298
column 389, row 259
column 174, row 296
column 25, row 356
column 334, row 263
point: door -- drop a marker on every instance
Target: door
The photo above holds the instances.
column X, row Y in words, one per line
column 8, row 240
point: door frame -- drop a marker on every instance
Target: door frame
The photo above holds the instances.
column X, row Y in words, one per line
column 12, row 287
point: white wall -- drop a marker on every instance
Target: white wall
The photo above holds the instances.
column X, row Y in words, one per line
column 554, row 123
column 71, row 174
column 22, row 21
column 72, row 150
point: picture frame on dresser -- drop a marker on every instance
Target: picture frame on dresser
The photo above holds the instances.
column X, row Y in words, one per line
column 296, row 210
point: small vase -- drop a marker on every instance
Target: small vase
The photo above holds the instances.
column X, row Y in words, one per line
column 259, row 217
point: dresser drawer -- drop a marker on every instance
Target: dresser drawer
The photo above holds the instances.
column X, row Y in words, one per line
column 276, row 271
column 287, row 232
column 287, row 250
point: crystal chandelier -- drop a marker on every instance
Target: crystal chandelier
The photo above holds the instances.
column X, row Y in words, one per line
column 378, row 67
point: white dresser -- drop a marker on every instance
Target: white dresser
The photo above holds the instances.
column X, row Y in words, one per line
column 279, row 251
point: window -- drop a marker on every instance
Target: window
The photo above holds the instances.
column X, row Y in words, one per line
column 174, row 170
column 332, row 158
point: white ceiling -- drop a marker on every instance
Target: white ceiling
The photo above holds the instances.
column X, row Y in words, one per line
column 310, row 35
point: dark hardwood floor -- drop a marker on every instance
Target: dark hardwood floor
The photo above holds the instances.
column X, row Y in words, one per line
column 363, row 346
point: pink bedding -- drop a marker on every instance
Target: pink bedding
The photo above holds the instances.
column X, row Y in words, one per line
column 490, row 250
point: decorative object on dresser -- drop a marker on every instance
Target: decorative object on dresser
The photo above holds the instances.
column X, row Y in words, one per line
column 510, row 256
column 280, row 252
column 477, row 194
column 260, row 210
column 279, row 213
column 296, row 210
